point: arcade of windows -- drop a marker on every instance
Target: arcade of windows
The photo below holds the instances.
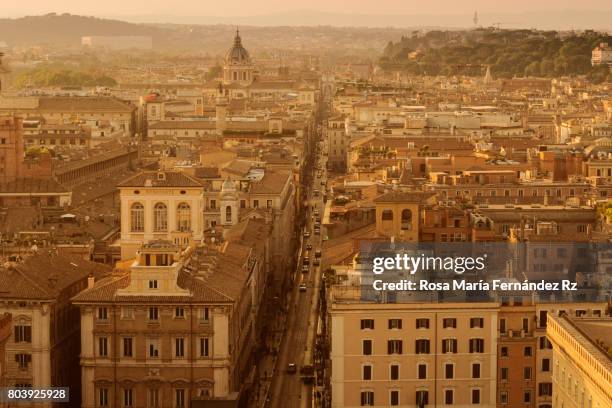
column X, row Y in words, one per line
column 160, row 217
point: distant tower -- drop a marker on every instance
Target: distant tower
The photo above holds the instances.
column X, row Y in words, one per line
column 11, row 149
column 475, row 19
column 220, row 111
column 488, row 78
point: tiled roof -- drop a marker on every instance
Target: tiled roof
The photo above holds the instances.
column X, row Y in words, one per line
column 183, row 124
column 106, row 291
column 404, row 197
column 238, row 167
column 44, row 276
column 32, row 185
column 341, row 249
column 272, row 182
column 96, row 158
column 207, row 172
column 84, row 104
column 250, row 232
column 246, row 125
column 170, row 179
column 209, row 276
column 19, row 219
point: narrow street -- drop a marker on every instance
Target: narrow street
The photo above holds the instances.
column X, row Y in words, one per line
column 287, row 388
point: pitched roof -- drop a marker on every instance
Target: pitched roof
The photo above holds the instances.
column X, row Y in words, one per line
column 153, row 179
column 43, row 276
column 183, row 124
column 32, row 185
column 106, row 291
column 209, row 276
column 238, row 167
column 207, row 172
column 19, row 219
column 404, row 197
column 84, row 104
column 272, row 182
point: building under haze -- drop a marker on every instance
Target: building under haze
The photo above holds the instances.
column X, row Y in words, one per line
column 241, row 79
column 118, row 42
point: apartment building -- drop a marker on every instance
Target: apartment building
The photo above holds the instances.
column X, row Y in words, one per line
column 601, row 54
column 412, row 354
column 56, row 136
column 42, row 346
column 556, row 222
column 525, row 355
column 582, row 374
column 107, row 115
column 175, row 325
column 418, row 354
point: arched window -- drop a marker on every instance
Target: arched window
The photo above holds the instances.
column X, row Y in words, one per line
column 228, row 214
column 137, row 217
column 387, row 215
column 406, row 219
column 160, row 217
column 183, row 217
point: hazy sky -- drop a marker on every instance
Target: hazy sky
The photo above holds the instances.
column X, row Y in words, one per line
column 228, row 8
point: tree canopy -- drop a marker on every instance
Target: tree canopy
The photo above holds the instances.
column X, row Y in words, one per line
column 50, row 75
column 508, row 53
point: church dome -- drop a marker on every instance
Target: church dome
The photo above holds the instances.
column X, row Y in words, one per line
column 237, row 55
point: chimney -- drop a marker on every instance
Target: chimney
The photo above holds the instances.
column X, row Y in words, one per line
column 90, row 281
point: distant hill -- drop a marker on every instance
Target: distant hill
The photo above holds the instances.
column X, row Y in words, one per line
column 508, row 53
column 67, row 29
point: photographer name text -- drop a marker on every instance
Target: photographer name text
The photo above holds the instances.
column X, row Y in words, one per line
column 494, row 285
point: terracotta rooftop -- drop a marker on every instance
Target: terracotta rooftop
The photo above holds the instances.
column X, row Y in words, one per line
column 84, row 104
column 32, row 185
column 43, row 276
column 155, row 179
column 183, row 124
column 209, row 276
column 404, row 197
column 272, row 182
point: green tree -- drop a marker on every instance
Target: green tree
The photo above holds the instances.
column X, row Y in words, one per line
column 214, row 72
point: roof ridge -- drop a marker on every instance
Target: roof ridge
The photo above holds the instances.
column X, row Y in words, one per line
column 111, row 280
column 31, row 280
column 200, row 282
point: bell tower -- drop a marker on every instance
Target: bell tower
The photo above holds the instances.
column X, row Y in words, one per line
column 228, row 202
column 220, row 111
